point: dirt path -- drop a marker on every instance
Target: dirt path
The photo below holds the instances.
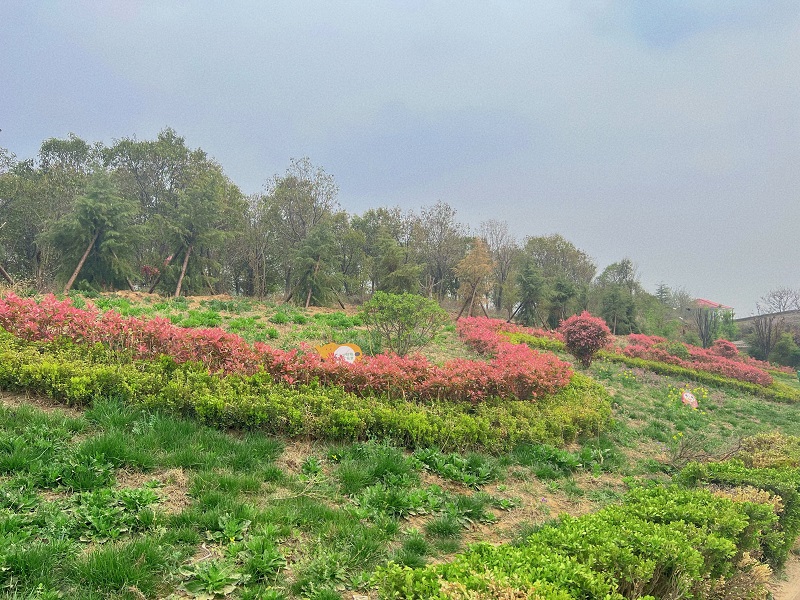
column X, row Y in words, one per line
column 789, row 588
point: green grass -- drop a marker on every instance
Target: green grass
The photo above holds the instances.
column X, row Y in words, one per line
column 328, row 520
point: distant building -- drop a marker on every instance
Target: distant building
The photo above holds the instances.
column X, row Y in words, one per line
column 703, row 303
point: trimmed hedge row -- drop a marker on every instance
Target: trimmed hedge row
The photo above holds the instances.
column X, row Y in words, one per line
column 782, row 482
column 661, row 543
column 536, row 342
column 778, row 391
column 76, row 375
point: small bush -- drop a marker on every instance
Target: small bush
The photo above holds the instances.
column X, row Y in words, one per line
column 404, row 322
column 584, row 336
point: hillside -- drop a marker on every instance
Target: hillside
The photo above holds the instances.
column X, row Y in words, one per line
column 112, row 487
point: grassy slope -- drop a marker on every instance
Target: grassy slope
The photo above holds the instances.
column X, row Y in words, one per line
column 289, row 518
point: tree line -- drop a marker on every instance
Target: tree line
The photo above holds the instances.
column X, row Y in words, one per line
column 158, row 216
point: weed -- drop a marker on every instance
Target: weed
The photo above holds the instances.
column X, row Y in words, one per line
column 210, row 579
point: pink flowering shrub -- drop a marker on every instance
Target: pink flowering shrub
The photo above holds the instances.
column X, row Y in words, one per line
column 585, row 335
column 481, row 334
column 511, row 371
column 718, row 359
column 724, row 348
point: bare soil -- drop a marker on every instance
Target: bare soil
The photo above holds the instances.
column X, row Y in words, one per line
column 787, row 586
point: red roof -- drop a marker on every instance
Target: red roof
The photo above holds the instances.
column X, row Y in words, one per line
column 703, row 303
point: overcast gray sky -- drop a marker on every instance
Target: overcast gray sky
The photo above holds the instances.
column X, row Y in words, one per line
column 666, row 131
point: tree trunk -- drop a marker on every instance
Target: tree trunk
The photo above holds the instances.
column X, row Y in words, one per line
column 161, row 272
column 310, row 286
column 183, row 271
column 514, row 314
column 82, row 261
column 472, row 300
column 6, row 276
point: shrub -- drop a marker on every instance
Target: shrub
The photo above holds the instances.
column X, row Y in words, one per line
column 584, row 336
column 661, row 543
column 513, row 372
column 76, row 375
column 724, row 348
column 711, row 360
column 403, row 321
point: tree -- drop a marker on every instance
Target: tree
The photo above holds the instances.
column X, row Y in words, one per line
column 473, row 273
column 618, row 309
column 404, row 322
column 566, row 272
column 100, row 226
column 618, row 288
column 663, row 293
column 707, row 321
column 188, row 208
column 532, row 294
column 442, row 242
column 786, row 351
column 390, row 264
column 34, row 194
column 294, row 204
column 770, row 323
column 505, row 250
column 559, row 259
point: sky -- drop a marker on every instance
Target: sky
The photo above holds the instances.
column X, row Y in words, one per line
column 667, row 132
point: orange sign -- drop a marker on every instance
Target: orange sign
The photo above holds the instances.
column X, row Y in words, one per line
column 347, row 352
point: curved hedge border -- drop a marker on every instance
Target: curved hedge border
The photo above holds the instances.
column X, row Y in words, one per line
column 76, row 375
column 778, row 391
column 661, row 543
column 779, row 481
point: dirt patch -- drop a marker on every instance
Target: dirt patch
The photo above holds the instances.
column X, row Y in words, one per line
column 787, row 587
column 47, row 405
column 173, row 487
column 294, row 455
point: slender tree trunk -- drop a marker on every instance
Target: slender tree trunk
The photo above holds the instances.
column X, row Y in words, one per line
column 514, row 314
column 6, row 276
column 472, row 300
column 82, row 261
column 310, row 286
column 161, row 272
column 183, row 271
column 127, row 279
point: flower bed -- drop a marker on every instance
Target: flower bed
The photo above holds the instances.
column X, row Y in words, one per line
column 718, row 359
column 76, row 374
column 512, row 371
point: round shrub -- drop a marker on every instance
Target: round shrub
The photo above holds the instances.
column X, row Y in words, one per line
column 584, row 336
column 724, row 348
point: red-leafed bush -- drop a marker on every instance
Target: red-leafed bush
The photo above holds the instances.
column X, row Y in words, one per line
column 724, row 348
column 584, row 336
column 511, row 371
column 722, row 358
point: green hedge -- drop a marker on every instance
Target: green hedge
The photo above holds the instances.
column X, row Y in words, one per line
column 782, row 482
column 661, row 543
column 536, row 342
column 75, row 375
column 778, row 391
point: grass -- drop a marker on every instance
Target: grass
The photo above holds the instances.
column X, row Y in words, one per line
column 262, row 517
column 250, row 514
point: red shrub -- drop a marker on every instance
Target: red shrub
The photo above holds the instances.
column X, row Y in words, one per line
column 512, row 371
column 584, row 336
column 722, row 358
column 724, row 348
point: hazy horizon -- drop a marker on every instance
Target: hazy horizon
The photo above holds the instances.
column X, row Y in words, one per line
column 664, row 132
